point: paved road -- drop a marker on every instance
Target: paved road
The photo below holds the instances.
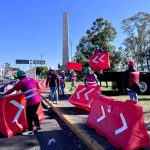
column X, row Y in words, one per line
column 53, row 136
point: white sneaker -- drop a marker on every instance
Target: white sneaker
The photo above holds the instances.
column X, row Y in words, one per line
column 28, row 133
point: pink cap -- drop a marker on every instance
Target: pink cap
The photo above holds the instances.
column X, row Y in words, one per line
column 131, row 63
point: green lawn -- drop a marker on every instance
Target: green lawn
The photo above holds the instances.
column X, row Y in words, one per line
column 144, row 100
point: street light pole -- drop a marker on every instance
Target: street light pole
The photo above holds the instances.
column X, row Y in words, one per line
column 71, row 48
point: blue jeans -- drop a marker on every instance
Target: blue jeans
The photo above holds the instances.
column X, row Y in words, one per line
column 54, row 93
column 133, row 95
column 62, row 89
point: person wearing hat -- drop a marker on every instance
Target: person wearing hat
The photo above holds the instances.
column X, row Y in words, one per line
column 29, row 87
column 73, row 80
column 62, row 82
column 90, row 78
column 131, row 81
column 53, row 82
column 99, row 50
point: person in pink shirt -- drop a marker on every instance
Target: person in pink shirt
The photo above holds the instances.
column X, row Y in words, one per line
column 29, row 87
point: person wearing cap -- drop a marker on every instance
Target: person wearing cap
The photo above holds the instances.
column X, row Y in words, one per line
column 73, row 80
column 53, row 82
column 99, row 50
column 29, row 87
column 90, row 78
column 131, row 81
column 62, row 82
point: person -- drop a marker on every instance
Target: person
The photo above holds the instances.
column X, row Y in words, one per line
column 99, row 50
column 73, row 80
column 131, row 81
column 29, row 87
column 53, row 81
column 62, row 82
column 90, row 78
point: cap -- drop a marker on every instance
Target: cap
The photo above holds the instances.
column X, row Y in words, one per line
column 131, row 63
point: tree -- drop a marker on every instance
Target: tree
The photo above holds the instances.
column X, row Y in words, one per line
column 42, row 71
column 137, row 41
column 100, row 34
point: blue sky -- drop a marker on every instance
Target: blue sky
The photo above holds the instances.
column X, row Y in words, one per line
column 30, row 29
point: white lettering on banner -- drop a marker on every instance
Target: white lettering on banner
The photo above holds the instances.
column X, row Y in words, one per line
column 78, row 93
column 42, row 84
column 86, row 94
column 100, row 59
column 103, row 116
column 124, row 127
column 94, row 60
column 21, row 107
column 109, row 109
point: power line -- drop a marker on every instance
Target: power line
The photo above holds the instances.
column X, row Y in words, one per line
column 25, row 38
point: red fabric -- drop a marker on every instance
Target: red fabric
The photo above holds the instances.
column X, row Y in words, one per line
column 134, row 78
column 100, row 61
column 74, row 66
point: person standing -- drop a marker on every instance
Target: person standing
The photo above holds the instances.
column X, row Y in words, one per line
column 131, row 81
column 73, row 80
column 62, row 82
column 29, row 87
column 90, row 78
column 53, row 81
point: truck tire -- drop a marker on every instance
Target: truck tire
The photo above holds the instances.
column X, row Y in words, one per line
column 144, row 87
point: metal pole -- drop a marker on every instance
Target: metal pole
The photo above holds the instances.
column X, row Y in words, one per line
column 71, row 50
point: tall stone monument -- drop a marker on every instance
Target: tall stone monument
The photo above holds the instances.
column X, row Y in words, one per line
column 65, row 41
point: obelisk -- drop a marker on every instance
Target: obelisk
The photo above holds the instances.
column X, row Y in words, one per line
column 65, row 41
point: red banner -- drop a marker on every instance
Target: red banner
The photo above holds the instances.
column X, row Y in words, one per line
column 100, row 61
column 74, row 66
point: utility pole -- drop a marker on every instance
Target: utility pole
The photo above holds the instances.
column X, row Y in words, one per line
column 71, row 49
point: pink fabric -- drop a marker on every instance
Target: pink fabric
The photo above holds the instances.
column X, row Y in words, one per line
column 90, row 79
column 31, row 84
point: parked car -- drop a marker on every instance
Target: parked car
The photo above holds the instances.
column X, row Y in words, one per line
column 1, row 79
column 9, row 77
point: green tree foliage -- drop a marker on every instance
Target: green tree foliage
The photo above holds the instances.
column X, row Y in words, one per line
column 137, row 29
column 100, row 34
column 41, row 72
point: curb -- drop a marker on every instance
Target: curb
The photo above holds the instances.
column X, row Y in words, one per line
column 85, row 138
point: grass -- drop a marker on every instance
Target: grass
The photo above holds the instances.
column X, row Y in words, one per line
column 144, row 100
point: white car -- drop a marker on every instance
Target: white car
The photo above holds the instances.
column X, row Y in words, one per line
column 9, row 77
column 1, row 79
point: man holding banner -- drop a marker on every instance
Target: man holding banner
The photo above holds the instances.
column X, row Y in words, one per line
column 90, row 78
